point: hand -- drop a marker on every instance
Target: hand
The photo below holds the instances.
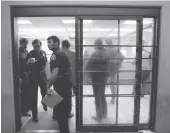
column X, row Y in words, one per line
column 31, row 61
column 49, row 91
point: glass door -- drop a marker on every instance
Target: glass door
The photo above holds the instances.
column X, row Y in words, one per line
column 109, row 94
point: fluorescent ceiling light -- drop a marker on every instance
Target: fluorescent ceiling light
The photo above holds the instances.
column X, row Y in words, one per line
column 71, row 29
column 134, row 22
column 115, row 34
column 100, row 29
column 73, row 21
column 125, row 29
column 22, row 33
column 42, row 29
column 24, row 22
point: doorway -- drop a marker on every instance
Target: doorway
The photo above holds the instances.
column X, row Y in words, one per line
column 130, row 33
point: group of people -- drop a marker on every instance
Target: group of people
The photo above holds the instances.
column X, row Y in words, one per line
column 102, row 66
column 32, row 66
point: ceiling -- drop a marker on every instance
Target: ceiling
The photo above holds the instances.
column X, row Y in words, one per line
column 42, row 27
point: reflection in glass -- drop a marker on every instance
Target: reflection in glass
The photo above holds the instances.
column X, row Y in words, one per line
column 144, row 109
column 125, row 113
column 126, row 89
column 89, row 111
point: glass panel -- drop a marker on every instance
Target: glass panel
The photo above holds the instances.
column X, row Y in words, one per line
column 148, row 31
column 126, row 89
column 93, row 29
column 89, row 111
column 88, row 89
column 144, row 109
column 127, row 76
column 146, row 64
column 125, row 110
column 128, row 30
column 145, row 88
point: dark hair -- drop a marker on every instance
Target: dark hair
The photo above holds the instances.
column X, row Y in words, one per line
column 35, row 41
column 55, row 39
column 65, row 43
column 23, row 40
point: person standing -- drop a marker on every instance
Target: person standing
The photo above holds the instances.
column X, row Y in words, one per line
column 71, row 56
column 98, row 67
column 116, row 59
column 24, row 80
column 36, row 61
column 60, row 79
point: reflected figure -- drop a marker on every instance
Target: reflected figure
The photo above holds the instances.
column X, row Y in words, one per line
column 36, row 60
column 98, row 66
column 116, row 59
column 24, row 80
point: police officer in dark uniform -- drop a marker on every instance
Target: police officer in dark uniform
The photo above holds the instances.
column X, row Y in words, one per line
column 36, row 60
column 24, row 80
column 60, row 79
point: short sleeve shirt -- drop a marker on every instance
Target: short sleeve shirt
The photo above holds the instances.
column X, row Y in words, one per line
column 40, row 64
column 59, row 60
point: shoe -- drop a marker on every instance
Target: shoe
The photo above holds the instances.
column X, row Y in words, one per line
column 35, row 119
column 45, row 107
column 71, row 115
column 26, row 114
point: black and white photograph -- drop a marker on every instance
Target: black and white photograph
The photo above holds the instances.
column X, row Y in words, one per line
column 85, row 66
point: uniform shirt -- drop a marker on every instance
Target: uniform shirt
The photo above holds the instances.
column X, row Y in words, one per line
column 22, row 61
column 59, row 60
column 71, row 56
column 40, row 64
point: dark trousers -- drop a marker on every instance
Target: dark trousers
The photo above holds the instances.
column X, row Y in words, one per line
column 99, row 94
column 100, row 101
column 37, row 80
column 25, row 95
column 62, row 110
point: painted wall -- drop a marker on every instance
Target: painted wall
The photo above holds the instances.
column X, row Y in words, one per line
column 163, row 111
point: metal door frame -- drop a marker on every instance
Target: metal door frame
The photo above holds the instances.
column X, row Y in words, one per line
column 79, row 11
column 79, row 41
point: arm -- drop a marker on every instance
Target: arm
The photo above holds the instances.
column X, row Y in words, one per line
column 56, row 63
column 53, row 77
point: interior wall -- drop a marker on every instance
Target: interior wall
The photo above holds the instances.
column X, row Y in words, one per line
column 163, row 101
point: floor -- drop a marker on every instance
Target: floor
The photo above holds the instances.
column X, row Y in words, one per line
column 125, row 112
